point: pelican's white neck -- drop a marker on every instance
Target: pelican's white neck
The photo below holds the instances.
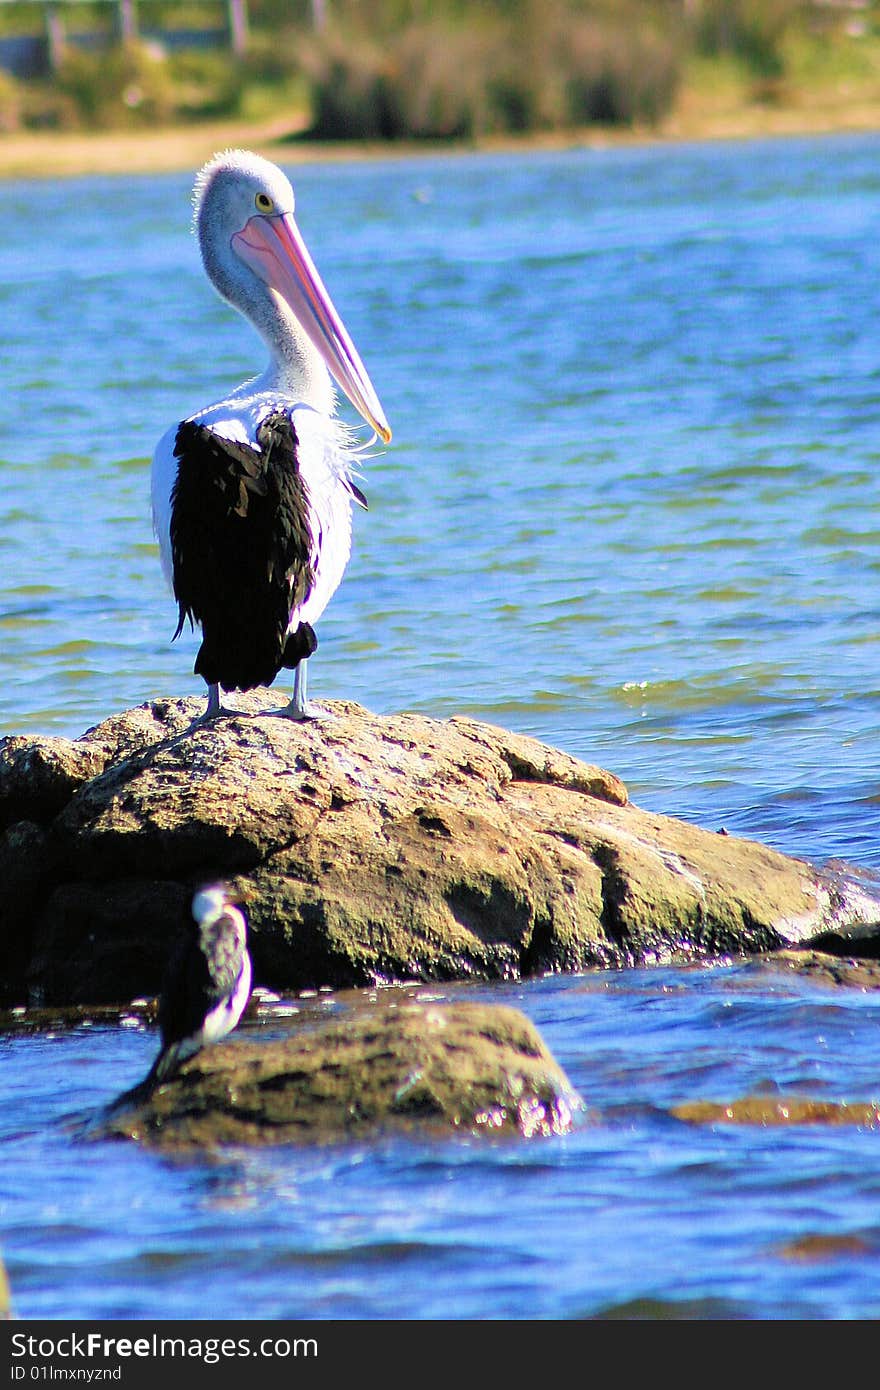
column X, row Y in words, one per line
column 295, row 366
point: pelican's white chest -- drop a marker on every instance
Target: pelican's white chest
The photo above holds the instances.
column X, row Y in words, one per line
column 325, row 462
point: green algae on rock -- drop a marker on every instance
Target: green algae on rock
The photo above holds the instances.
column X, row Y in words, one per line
column 473, row 1068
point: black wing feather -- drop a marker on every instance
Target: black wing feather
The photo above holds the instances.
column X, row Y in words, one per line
column 241, row 545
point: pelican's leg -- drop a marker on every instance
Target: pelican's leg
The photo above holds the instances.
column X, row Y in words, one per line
column 214, row 707
column 300, row 706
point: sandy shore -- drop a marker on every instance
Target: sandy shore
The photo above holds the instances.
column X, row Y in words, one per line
column 51, row 154
column 45, row 154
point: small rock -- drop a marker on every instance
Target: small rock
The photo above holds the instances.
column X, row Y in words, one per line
column 5, row 1295
column 477, row 1068
column 824, row 969
column 780, row 1110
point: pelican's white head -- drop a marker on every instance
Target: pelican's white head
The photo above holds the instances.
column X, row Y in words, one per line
column 256, row 259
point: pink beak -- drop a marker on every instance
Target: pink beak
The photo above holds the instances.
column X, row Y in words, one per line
column 274, row 249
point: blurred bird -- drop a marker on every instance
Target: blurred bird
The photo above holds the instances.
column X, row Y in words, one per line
column 252, row 496
column 207, row 983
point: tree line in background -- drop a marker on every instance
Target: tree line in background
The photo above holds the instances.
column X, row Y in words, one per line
column 423, row 69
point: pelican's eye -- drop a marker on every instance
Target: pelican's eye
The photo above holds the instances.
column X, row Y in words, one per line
column 264, row 203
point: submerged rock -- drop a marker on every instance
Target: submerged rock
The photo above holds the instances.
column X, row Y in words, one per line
column 367, row 848
column 780, row 1110
column 822, row 968
column 466, row 1067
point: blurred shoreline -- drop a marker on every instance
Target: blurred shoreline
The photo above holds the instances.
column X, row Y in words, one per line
column 26, row 155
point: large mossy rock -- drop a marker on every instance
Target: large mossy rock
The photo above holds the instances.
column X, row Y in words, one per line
column 458, row 1067
column 367, row 848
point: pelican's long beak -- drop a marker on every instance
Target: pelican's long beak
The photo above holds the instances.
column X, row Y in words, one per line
column 274, row 249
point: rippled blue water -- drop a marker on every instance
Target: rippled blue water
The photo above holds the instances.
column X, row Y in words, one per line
column 630, row 507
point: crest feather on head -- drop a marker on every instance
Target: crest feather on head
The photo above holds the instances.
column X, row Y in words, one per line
column 234, row 161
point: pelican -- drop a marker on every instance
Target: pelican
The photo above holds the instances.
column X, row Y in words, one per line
column 252, row 496
column 207, row 984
